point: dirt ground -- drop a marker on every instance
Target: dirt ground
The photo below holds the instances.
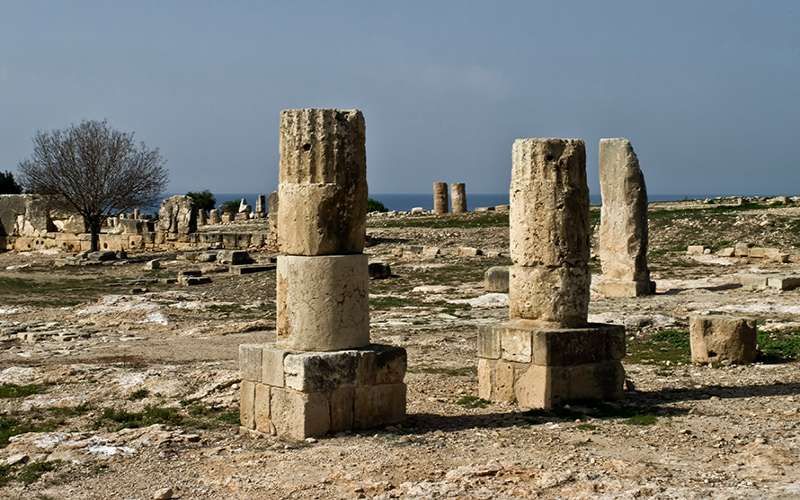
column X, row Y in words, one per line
column 115, row 383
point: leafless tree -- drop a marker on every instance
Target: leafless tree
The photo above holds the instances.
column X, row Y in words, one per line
column 95, row 170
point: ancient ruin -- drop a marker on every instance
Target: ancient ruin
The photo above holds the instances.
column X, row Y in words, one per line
column 322, row 375
column 440, row 200
column 458, row 198
column 722, row 339
column 260, row 206
column 547, row 354
column 623, row 222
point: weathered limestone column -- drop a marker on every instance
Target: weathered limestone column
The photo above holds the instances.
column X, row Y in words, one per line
column 458, row 198
column 201, row 217
column 623, row 222
column 547, row 354
column 272, row 221
column 440, row 204
column 260, row 206
column 322, row 375
column 213, row 216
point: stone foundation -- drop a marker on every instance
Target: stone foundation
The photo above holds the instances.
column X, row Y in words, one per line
column 298, row 394
column 522, row 362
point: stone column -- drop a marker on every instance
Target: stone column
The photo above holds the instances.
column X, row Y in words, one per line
column 201, row 217
column 213, row 216
column 623, row 222
column 547, row 354
column 440, row 205
column 322, row 375
column 458, row 198
column 260, row 206
column 137, row 214
column 272, row 221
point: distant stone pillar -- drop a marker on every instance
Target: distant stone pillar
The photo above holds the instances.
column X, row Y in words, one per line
column 260, row 206
column 213, row 216
column 137, row 214
column 201, row 217
column 547, row 354
column 440, row 205
column 458, row 198
column 272, row 221
column 322, row 375
column 623, row 222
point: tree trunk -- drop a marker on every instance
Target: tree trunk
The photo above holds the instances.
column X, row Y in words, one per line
column 93, row 226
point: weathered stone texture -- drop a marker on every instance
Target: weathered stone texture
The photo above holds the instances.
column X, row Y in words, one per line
column 495, row 279
column 558, row 295
column 176, row 217
column 260, row 206
column 323, row 182
column 440, row 202
column 717, row 339
column 458, row 198
column 323, row 302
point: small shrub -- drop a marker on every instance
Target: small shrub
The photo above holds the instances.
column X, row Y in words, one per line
column 31, row 472
column 138, row 394
column 231, row 207
column 374, row 205
column 202, row 199
column 472, row 402
column 19, row 391
column 133, row 420
column 644, row 419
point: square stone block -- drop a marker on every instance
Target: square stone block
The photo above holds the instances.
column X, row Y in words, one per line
column 381, row 364
column 262, row 409
column 320, row 371
column 342, row 408
column 272, row 365
column 247, row 397
column 628, row 289
column 299, row 415
column 551, row 386
column 489, row 342
column 719, row 338
column 250, row 361
column 378, row 405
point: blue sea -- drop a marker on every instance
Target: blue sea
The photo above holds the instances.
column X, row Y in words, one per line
column 407, row 201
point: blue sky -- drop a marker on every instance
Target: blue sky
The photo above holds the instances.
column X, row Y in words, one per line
column 709, row 92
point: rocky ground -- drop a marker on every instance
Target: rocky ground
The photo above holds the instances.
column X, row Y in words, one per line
column 115, row 382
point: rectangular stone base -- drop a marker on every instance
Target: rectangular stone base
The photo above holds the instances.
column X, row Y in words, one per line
column 615, row 288
column 520, row 361
column 303, row 394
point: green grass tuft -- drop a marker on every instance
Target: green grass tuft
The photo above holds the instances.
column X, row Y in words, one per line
column 643, row 419
column 660, row 347
column 19, row 391
column 138, row 394
column 30, row 473
column 779, row 346
column 472, row 402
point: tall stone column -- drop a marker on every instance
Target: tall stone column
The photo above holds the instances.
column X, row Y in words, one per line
column 201, row 217
column 440, row 204
column 623, row 222
column 213, row 216
column 458, row 198
column 547, row 354
column 322, row 375
column 260, row 206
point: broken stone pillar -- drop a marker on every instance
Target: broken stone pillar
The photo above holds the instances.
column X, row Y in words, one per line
column 213, row 216
column 322, row 375
column 623, row 222
column 272, row 221
column 440, row 205
column 458, row 198
column 260, row 206
column 176, row 218
column 201, row 217
column 137, row 213
column 722, row 339
column 547, row 354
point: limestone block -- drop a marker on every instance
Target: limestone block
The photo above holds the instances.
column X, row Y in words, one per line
column 342, row 404
column 321, row 219
column 322, row 302
column 784, row 282
column 320, row 371
column 486, row 369
column 233, row 257
column 469, row 251
column 381, row 364
column 495, row 279
column 262, row 421
column 247, row 396
column 489, row 342
column 272, row 371
column 298, row 415
column 726, row 252
column 596, row 343
column 176, row 216
column 458, row 198
column 378, row 405
column 718, row 338
column 431, row 252
column 623, row 220
column 323, row 182
column 549, row 203
column 440, row 201
column 250, row 361
column 558, row 295
column 742, row 249
column 618, row 288
column 551, row 386
column 695, row 250
column 754, row 281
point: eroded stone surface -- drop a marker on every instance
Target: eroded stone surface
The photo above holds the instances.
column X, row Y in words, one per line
column 440, row 201
column 458, row 198
column 717, row 339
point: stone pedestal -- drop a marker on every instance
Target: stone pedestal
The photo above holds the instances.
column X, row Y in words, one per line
column 623, row 222
column 440, row 204
column 547, row 354
column 522, row 362
column 321, row 375
column 458, row 198
column 718, row 339
column 299, row 394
